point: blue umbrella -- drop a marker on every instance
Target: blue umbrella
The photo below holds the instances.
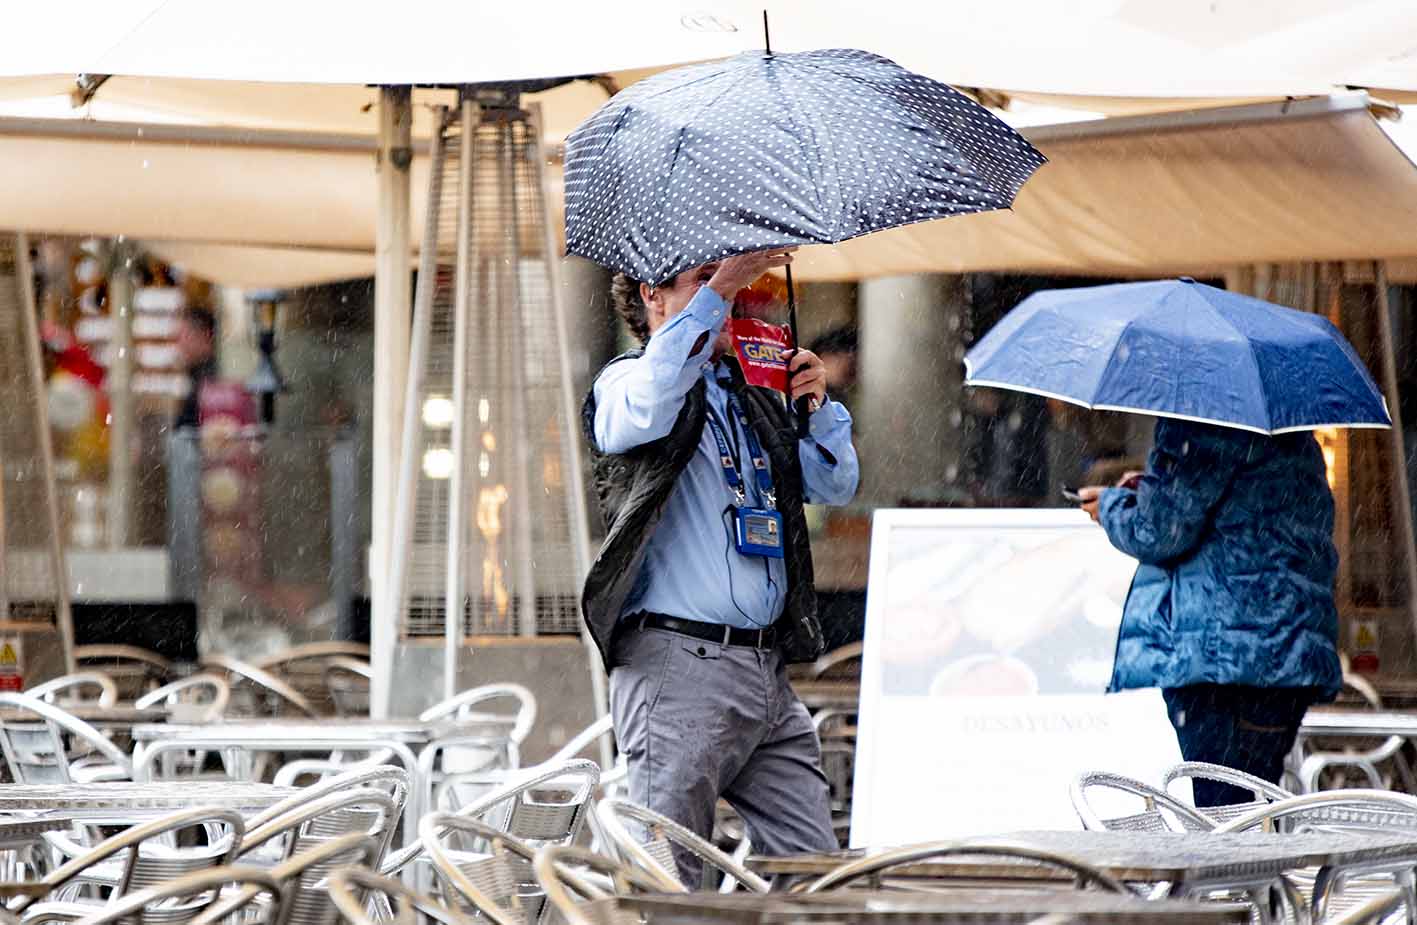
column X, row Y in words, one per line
column 1181, row 349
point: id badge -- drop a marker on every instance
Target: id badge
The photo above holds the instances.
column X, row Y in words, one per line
column 759, row 532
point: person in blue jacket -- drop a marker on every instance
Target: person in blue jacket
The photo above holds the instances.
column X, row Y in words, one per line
column 1231, row 612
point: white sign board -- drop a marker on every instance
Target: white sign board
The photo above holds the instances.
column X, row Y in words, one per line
column 989, row 642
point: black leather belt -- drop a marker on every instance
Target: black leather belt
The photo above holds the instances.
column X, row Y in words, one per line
column 711, row 632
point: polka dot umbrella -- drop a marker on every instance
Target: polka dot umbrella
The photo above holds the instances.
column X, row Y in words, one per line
column 767, row 150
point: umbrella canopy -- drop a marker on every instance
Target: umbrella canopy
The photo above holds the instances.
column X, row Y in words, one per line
column 772, row 150
column 1181, row 349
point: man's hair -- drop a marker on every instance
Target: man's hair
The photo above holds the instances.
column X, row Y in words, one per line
column 625, row 297
column 203, row 319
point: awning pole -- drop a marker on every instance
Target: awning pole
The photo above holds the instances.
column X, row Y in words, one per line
column 391, row 343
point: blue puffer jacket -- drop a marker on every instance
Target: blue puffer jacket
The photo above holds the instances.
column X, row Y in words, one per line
column 1234, row 533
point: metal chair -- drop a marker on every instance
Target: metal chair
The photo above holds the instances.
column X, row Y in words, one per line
column 265, row 694
column 1161, row 812
column 461, row 706
column 86, row 688
column 141, row 857
column 304, row 876
column 836, row 733
column 562, row 872
column 842, row 664
column 1263, row 791
column 1365, row 761
column 874, row 865
column 542, row 808
column 462, row 766
column 664, row 836
column 200, row 890
column 355, row 892
column 198, row 698
column 388, row 782
column 347, row 683
column 489, row 883
column 303, row 667
column 135, row 670
column 33, row 742
column 546, row 805
column 1331, row 892
column 315, row 651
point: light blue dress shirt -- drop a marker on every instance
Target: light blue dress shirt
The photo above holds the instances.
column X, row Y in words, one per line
column 692, row 568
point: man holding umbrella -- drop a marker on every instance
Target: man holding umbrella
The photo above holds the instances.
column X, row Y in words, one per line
column 682, row 183
column 703, row 589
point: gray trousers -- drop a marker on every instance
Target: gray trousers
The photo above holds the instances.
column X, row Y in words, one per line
column 699, row 720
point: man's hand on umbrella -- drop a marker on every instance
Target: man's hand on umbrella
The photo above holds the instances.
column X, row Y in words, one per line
column 734, row 273
column 1091, row 498
column 807, row 376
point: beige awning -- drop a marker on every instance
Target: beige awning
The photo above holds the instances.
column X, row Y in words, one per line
column 1182, row 192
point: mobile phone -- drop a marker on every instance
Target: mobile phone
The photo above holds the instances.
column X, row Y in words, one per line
column 1071, row 494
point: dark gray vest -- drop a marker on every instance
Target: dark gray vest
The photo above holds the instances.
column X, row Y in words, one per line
column 633, row 488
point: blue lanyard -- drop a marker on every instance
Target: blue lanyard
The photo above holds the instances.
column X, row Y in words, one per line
column 730, row 463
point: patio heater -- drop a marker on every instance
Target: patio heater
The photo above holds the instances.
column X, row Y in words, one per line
column 490, row 536
column 265, row 382
column 34, row 584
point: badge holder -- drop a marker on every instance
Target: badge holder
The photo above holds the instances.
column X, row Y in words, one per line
column 757, row 531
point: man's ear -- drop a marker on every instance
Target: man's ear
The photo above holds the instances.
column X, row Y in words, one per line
column 654, row 305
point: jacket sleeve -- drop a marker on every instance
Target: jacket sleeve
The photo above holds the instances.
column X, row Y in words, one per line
column 636, row 401
column 1167, row 515
column 830, row 471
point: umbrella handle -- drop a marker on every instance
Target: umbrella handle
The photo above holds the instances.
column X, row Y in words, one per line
column 803, row 413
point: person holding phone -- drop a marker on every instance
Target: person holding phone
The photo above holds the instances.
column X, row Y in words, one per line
column 702, row 591
column 1231, row 612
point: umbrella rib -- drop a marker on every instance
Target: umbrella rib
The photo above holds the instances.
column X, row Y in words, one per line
column 820, row 165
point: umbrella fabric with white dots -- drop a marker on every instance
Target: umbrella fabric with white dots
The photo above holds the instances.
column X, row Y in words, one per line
column 767, row 150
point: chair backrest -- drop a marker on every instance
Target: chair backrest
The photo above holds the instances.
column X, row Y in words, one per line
column 362, row 811
column 135, row 670
column 1160, row 811
column 843, row 664
column 355, row 892
column 876, row 864
column 346, row 682
column 151, row 855
column 200, row 890
column 82, row 687
column 198, row 698
column 1329, row 810
column 272, row 695
column 315, row 651
column 561, row 870
column 1263, row 791
column 303, row 667
column 387, row 778
column 482, row 870
column 545, row 806
column 305, row 875
column 462, row 705
column 32, row 740
column 655, row 852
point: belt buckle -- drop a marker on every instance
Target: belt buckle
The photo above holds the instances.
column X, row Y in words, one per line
column 727, row 634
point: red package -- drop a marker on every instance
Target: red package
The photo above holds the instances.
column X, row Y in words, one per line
column 762, row 351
